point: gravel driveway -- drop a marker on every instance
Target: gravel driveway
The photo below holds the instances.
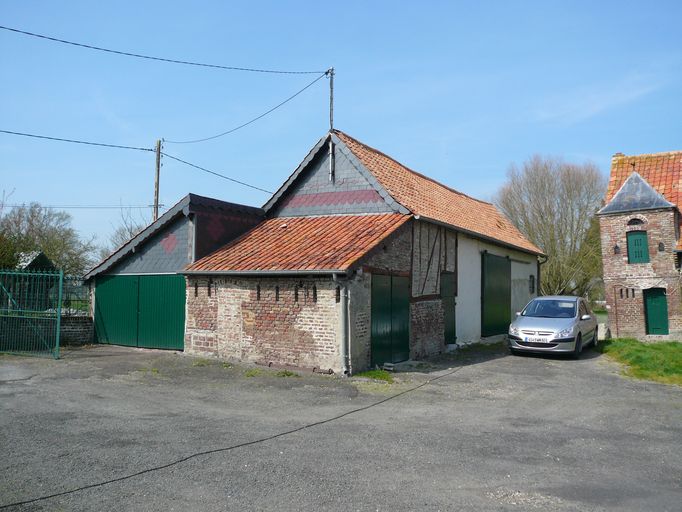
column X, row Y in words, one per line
column 481, row 431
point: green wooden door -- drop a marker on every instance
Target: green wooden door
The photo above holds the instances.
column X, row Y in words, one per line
column 141, row 311
column 656, row 311
column 495, row 294
column 381, row 319
column 161, row 309
column 448, row 296
column 400, row 319
column 390, row 325
column 638, row 247
column 116, row 310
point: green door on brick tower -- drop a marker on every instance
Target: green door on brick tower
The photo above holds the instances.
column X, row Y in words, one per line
column 656, row 311
column 390, row 324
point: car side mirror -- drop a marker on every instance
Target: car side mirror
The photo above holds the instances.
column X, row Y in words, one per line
column 518, row 313
column 585, row 317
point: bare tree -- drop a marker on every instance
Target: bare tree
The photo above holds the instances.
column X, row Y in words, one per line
column 553, row 203
column 127, row 228
column 34, row 228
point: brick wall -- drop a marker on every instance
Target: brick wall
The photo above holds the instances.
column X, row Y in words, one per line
column 281, row 327
column 75, row 330
column 624, row 282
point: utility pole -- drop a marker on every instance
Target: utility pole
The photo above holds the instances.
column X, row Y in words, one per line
column 330, row 71
column 156, row 179
column 331, row 98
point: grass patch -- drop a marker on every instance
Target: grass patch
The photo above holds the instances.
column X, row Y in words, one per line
column 253, row 372
column 286, row 373
column 227, row 365
column 377, row 375
column 660, row 362
column 201, row 362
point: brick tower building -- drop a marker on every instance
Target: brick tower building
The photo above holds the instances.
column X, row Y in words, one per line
column 641, row 246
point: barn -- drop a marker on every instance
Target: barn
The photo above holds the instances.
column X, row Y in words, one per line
column 360, row 262
column 138, row 291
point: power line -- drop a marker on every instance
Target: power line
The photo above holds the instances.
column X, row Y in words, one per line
column 161, row 59
column 252, row 120
column 84, row 206
column 215, row 173
column 74, row 141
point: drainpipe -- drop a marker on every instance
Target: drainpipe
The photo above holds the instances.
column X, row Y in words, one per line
column 345, row 345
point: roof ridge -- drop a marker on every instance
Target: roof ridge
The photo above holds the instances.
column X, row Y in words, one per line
column 621, row 156
column 411, row 170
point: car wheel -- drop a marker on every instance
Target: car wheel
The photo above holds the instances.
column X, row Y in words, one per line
column 578, row 347
column 595, row 340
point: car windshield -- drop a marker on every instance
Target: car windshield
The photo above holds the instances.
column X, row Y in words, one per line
column 550, row 308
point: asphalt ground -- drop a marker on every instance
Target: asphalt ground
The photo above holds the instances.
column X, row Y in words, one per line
column 478, row 430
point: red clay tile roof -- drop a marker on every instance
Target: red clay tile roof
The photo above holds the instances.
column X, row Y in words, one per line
column 332, row 242
column 428, row 198
column 663, row 171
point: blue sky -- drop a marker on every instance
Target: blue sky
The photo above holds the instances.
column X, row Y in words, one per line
column 455, row 90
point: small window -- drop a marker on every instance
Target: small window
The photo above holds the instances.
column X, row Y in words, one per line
column 257, row 292
column 276, row 292
column 621, row 293
column 296, row 293
column 338, row 294
column 210, row 284
column 635, row 222
column 638, row 247
column 314, row 293
column 627, row 293
column 632, row 293
column 196, row 289
column 531, row 284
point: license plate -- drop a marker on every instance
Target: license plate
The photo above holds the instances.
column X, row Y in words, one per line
column 531, row 339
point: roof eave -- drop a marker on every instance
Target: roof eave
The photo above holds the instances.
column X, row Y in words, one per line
column 620, row 212
column 252, row 273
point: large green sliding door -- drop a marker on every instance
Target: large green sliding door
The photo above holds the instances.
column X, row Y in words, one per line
column 116, row 310
column 495, row 294
column 390, row 325
column 141, row 311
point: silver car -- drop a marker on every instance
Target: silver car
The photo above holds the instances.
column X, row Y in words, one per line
column 558, row 323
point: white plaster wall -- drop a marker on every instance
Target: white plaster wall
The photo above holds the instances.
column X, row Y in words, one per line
column 468, row 310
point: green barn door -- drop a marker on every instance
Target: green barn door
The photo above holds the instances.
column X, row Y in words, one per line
column 448, row 295
column 116, row 310
column 400, row 319
column 495, row 294
column 381, row 319
column 141, row 311
column 656, row 311
column 161, row 322
column 390, row 325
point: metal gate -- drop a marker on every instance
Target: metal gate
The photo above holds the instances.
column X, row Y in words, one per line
column 30, row 312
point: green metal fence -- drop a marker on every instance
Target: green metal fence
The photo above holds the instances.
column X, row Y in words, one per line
column 30, row 312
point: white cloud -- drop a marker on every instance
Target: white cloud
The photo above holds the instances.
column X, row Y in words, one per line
column 586, row 102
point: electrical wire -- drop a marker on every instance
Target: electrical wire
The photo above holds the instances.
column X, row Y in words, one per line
column 84, row 206
column 215, row 173
column 326, row 73
column 161, row 59
column 234, row 447
column 74, row 141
